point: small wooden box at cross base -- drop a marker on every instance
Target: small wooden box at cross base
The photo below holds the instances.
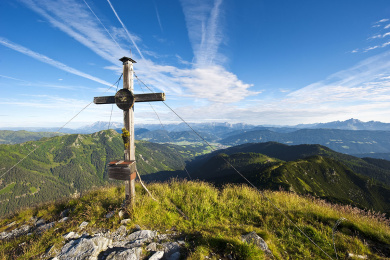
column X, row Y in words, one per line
column 122, row 170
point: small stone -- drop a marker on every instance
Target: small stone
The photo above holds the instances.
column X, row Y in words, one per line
column 63, row 219
column 157, row 256
column 125, row 221
column 11, row 224
column 110, row 214
column 83, row 225
column 121, row 213
column 71, row 235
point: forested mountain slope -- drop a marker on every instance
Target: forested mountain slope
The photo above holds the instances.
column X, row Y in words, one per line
column 69, row 164
column 304, row 169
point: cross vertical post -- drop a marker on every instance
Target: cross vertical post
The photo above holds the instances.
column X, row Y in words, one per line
column 126, row 169
column 128, row 119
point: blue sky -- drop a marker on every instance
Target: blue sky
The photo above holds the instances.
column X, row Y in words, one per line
column 268, row 62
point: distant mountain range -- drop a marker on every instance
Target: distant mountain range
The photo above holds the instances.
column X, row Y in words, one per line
column 370, row 139
column 218, row 129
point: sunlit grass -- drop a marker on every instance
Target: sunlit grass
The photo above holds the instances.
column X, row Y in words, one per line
column 213, row 222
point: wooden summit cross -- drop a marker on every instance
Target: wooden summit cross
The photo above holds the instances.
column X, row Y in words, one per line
column 124, row 99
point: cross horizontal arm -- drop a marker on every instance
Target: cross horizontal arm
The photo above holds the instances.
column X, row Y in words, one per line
column 149, row 97
column 137, row 98
column 104, row 100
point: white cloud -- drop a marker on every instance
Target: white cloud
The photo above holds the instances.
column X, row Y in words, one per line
column 204, row 30
column 383, row 20
column 125, row 28
column 77, row 21
column 158, row 17
column 387, row 26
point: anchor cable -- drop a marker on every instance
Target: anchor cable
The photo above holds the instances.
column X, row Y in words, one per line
column 250, row 183
column 21, row 160
column 163, row 127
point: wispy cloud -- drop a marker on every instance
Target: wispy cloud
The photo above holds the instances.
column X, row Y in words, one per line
column 7, row 77
column 97, row 18
column 49, row 61
column 77, row 21
column 127, row 32
column 158, row 17
column 208, row 79
column 204, row 30
column 382, row 21
column 360, row 92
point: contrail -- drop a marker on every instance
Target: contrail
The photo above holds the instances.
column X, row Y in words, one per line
column 50, row 61
column 103, row 25
column 124, row 27
column 158, row 17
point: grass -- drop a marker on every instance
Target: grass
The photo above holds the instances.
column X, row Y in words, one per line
column 215, row 220
column 8, row 188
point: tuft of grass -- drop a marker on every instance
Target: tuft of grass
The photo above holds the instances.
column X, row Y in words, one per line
column 211, row 221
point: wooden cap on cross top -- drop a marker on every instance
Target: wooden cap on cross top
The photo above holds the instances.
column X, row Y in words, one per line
column 124, row 59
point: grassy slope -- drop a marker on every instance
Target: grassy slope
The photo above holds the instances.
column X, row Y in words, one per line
column 216, row 220
column 316, row 175
column 295, row 152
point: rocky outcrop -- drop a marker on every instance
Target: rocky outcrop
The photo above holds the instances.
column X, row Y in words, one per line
column 84, row 248
column 23, row 230
column 120, row 244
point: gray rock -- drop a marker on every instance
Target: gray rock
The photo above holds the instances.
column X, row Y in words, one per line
column 171, row 248
column 71, row 235
column 128, row 254
column 162, row 237
column 11, row 224
column 119, row 234
column 256, row 240
column 84, row 248
column 157, row 256
column 142, row 236
column 174, row 256
column 152, row 247
column 83, row 225
column 63, row 219
column 40, row 222
column 44, row 228
column 121, row 213
column 23, row 230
